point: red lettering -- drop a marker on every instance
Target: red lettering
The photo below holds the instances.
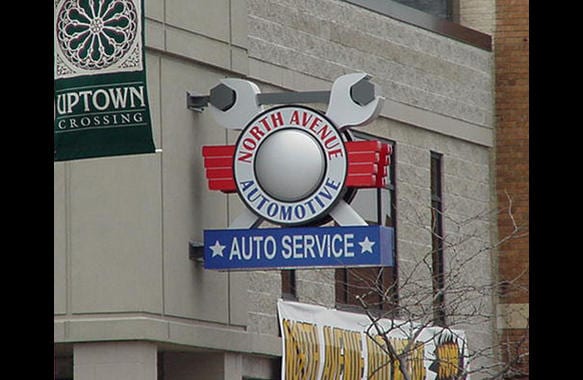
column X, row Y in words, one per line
column 245, row 157
column 256, row 132
column 334, row 153
column 265, row 124
column 328, row 143
column 305, row 119
column 295, row 118
column 315, row 123
column 324, row 132
column 276, row 119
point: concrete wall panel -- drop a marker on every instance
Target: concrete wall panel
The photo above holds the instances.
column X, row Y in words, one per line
column 115, row 234
column 60, row 240
column 189, row 290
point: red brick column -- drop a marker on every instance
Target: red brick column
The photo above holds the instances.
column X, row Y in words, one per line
column 511, row 51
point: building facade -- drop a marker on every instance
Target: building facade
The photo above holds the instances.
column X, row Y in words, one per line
column 131, row 302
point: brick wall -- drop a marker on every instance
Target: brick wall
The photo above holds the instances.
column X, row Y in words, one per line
column 511, row 47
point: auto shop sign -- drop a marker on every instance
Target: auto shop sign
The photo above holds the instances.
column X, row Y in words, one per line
column 296, row 168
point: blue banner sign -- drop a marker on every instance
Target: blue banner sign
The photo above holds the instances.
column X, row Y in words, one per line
column 277, row 248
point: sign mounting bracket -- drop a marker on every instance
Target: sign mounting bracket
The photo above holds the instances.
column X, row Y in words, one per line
column 362, row 92
column 198, row 103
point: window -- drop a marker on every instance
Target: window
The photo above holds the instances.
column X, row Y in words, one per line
column 437, row 240
column 288, row 284
column 438, row 8
column 439, row 16
column 376, row 206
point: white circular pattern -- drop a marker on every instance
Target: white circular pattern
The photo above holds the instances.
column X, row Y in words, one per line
column 95, row 34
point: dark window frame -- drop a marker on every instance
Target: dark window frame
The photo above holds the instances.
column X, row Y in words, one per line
column 289, row 284
column 386, row 277
column 427, row 21
column 437, row 241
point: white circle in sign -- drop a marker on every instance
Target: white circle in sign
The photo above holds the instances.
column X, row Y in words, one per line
column 290, row 165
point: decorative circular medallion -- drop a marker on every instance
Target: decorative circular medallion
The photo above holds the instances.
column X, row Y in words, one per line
column 95, row 34
column 290, row 165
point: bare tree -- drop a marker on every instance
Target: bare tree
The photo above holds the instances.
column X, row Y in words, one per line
column 461, row 300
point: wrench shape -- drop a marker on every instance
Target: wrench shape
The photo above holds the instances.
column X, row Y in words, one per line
column 244, row 108
column 353, row 102
column 344, row 110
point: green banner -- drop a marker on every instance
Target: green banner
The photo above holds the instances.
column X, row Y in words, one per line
column 101, row 98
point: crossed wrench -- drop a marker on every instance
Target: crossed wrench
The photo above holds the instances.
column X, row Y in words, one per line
column 352, row 102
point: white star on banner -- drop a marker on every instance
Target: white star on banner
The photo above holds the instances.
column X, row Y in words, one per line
column 366, row 245
column 217, row 249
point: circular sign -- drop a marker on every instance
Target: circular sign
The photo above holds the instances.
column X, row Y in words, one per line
column 290, row 165
column 96, row 34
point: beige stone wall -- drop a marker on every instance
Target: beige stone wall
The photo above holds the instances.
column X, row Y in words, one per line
column 299, row 43
column 477, row 15
column 123, row 224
